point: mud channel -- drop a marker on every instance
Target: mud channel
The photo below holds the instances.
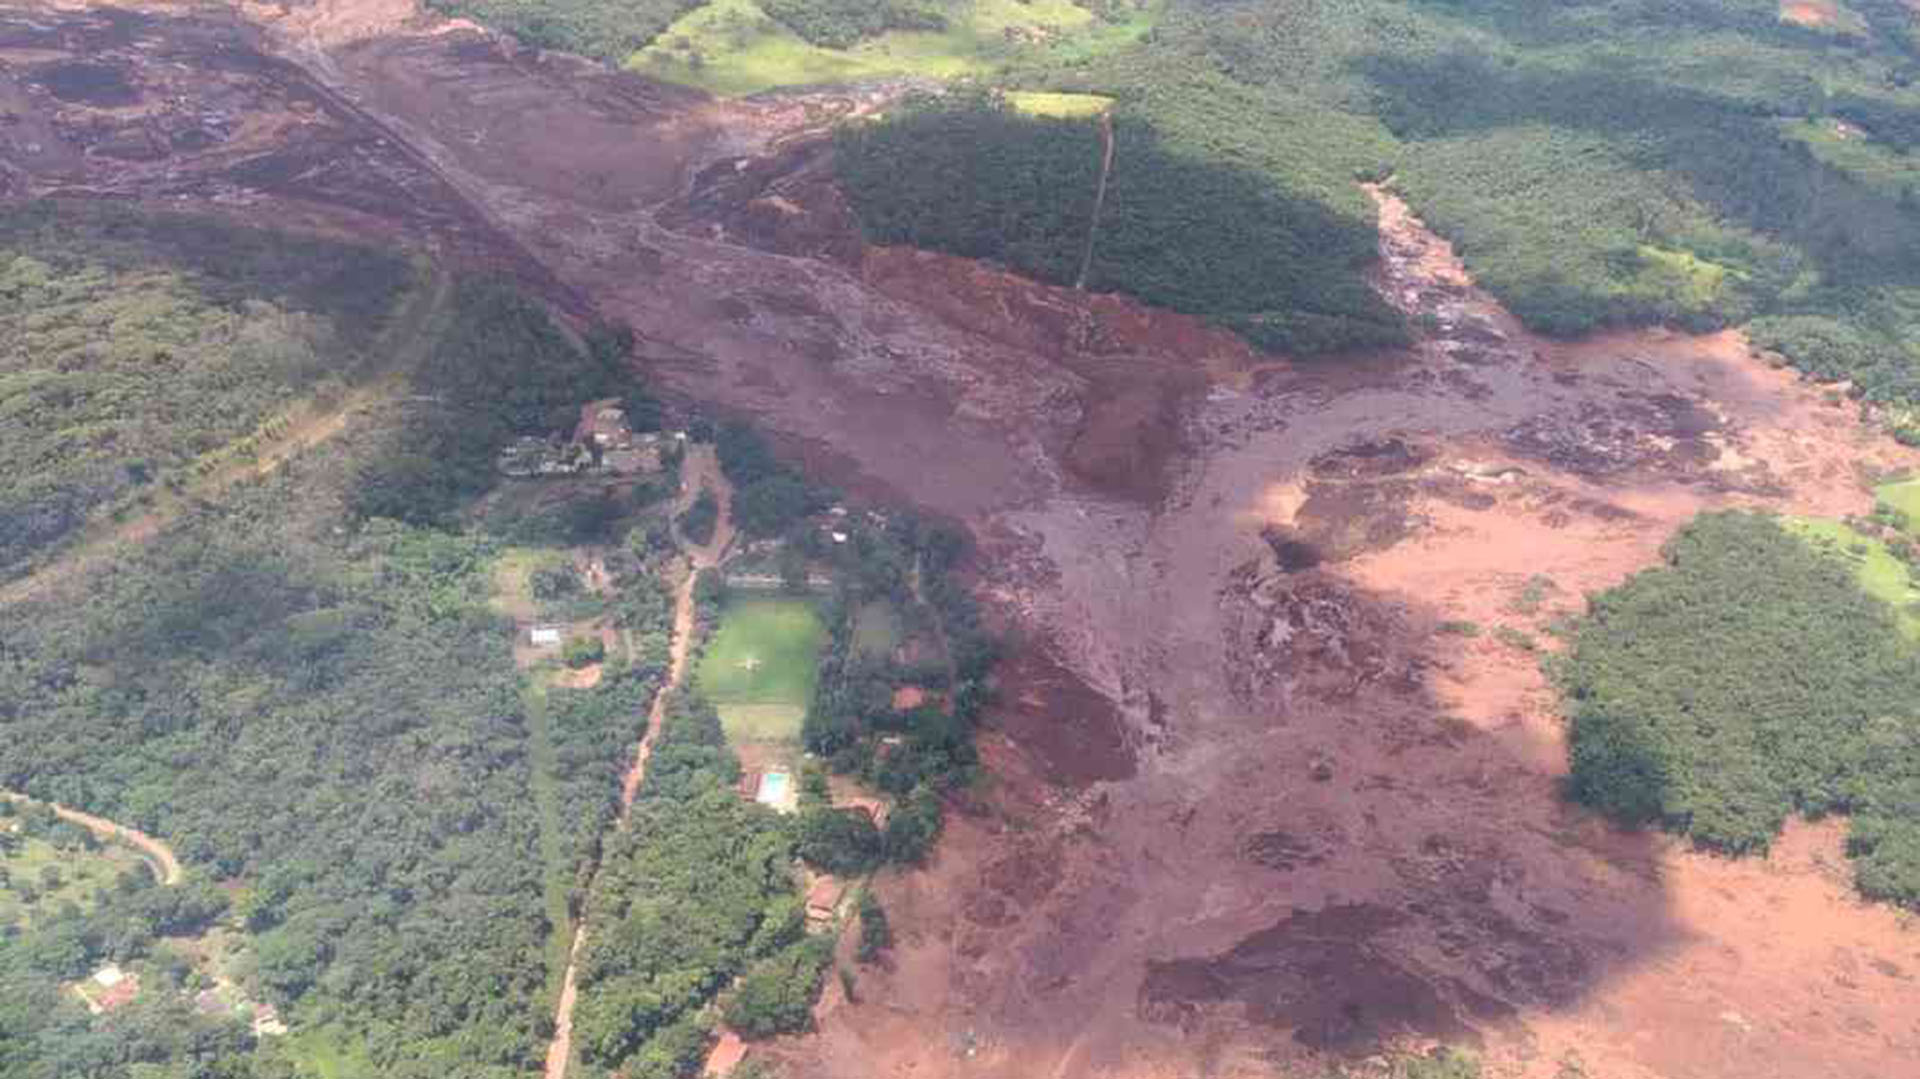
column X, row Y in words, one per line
column 1251, row 806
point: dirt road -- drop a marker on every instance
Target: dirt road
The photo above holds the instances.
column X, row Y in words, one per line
column 158, row 856
column 700, row 471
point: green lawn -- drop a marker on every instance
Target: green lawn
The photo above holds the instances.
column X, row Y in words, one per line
column 81, row 876
column 1880, row 574
column 1067, row 106
column 876, row 629
column 1904, row 496
column 328, row 1052
column 731, row 47
column 759, row 669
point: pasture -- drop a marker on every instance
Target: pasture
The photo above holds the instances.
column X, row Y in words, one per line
column 731, row 47
column 37, row 878
column 760, row 666
column 1879, row 573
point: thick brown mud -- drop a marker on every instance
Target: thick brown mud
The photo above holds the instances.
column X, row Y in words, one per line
column 1254, row 799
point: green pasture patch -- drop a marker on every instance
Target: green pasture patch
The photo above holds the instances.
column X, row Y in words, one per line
column 328, row 1052
column 1903, row 495
column 733, row 48
column 1068, row 106
column 81, row 875
column 1879, row 573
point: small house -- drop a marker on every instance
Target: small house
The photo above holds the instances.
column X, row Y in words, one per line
column 108, row 988
column 875, row 809
column 823, row 900
column 632, row 460
column 544, row 636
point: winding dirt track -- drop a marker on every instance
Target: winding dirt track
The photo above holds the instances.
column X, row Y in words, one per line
column 158, row 856
column 700, row 471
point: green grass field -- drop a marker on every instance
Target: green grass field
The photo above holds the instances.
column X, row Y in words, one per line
column 1880, row 574
column 1903, row 495
column 731, row 47
column 328, row 1052
column 81, row 877
column 1066, row 106
column 760, row 666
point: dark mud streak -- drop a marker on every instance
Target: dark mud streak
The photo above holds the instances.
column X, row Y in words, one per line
column 1326, row 977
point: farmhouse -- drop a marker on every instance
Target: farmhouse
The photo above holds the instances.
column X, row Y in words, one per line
column 643, row 457
column 109, row 988
column 875, row 809
column 529, row 456
column 544, row 636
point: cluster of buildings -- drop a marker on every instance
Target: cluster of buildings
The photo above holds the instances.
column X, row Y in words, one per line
column 603, row 442
column 111, row 987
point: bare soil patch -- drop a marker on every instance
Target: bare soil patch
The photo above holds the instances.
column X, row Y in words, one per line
column 1810, row 12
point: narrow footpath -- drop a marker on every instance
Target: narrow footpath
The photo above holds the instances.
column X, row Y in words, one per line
column 1099, row 198
column 700, row 471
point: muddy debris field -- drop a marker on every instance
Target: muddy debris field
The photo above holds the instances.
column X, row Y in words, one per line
column 1251, row 807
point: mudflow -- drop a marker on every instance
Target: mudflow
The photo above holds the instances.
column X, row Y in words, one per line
column 1249, row 805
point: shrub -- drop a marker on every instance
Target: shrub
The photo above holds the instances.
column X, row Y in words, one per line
column 583, row 652
column 876, row 935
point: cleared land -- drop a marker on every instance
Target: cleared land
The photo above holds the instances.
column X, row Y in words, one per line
column 760, row 667
column 1903, row 495
column 1042, row 103
column 1881, row 575
column 731, row 47
column 76, row 877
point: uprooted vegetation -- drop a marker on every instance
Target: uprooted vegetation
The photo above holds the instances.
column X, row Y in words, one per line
column 1747, row 679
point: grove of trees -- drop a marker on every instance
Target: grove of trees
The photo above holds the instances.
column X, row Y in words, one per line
column 133, row 346
column 1746, row 679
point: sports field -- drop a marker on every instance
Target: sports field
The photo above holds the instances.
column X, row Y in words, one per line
column 760, row 666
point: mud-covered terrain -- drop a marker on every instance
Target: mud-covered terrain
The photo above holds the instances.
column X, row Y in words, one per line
column 1257, row 796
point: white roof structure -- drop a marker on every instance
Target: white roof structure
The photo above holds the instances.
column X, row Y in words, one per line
column 544, row 635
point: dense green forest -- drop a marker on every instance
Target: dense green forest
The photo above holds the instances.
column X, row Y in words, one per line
column 1699, row 163
column 1186, row 223
column 838, row 24
column 1700, row 710
column 501, row 368
column 697, row 891
column 314, row 703
column 133, row 348
column 1025, row 184
column 1595, row 163
column 604, row 29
